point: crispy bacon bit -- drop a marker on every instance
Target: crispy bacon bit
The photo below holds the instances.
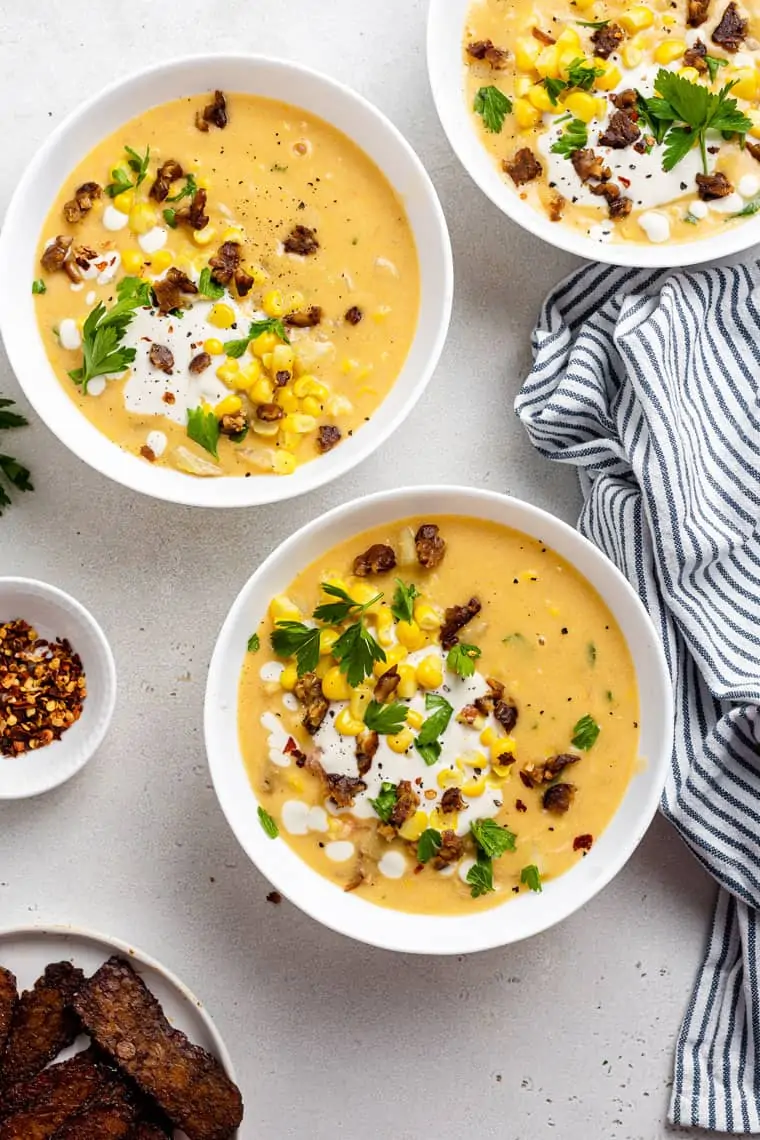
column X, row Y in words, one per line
column 506, row 713
column 243, row 282
column 558, row 797
column 626, row 100
column 367, row 743
column 485, row 51
column 233, row 424
column 308, row 689
column 618, row 206
column 450, row 851
column 711, row 186
column 269, row 413
column 55, row 254
column 469, row 715
column 407, row 802
column 522, row 167
column 387, row 684
column 754, row 149
column 82, row 202
column 542, row 37
column 697, row 11
column 589, row 165
column 606, row 40
column 520, row 806
column 329, row 437
column 430, row 547
column 148, row 453
column 583, row 842
column 731, row 30
column 170, row 290
column 487, row 702
column 162, row 358
column 452, row 801
column 354, row 315
column 533, row 775
column 281, row 378
column 378, row 559
column 301, row 240
column 343, row 789
column 621, row 131
column 305, row 319
column 456, row 618
column 195, row 214
column 199, row 363
column 215, row 113
column 695, row 56
column 168, row 172
column 556, row 206
column 225, row 262
column 169, row 397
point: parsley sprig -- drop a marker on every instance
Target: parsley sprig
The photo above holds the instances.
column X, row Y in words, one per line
column 492, row 841
column 385, row 801
column 692, row 110
column 334, row 613
column 203, row 429
column 493, row 106
column 480, row 876
column 138, row 164
column 530, row 877
column 294, row 639
column 403, row 601
column 427, row 845
column 356, row 650
column 186, row 191
column 385, row 719
column 585, row 733
column 580, row 74
column 461, row 659
column 714, row 62
column 427, row 743
column 268, row 823
column 104, row 330
column 11, row 470
column 236, row 348
column 574, row 137
column 208, row 287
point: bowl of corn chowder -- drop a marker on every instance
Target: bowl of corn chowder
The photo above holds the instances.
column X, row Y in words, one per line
column 237, row 280
column 624, row 133
column 438, row 719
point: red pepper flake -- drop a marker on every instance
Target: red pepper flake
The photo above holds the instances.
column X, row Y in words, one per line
column 583, row 842
column 626, row 181
column 42, row 688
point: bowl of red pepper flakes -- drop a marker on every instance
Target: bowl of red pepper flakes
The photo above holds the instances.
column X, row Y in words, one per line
column 57, row 687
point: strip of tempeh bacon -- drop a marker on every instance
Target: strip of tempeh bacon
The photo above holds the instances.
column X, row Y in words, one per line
column 124, row 1018
column 36, row 1109
column 8, row 999
column 43, row 1023
column 110, row 1117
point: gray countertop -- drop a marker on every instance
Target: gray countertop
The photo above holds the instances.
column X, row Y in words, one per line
column 570, row 1034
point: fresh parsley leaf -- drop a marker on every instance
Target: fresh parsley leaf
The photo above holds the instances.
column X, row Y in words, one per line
column 10, row 419
column 696, row 110
column 429, row 842
column 574, row 137
column 714, row 62
column 585, row 733
column 591, row 653
column 554, row 88
column 294, row 639
column 170, row 217
column 356, row 651
column 491, row 837
column 748, row 210
column 461, row 659
column 203, row 429
column 592, row 23
column 39, row 286
column 530, row 876
column 236, row 348
column 436, row 724
column 138, row 163
column 430, row 753
column 336, row 612
column 678, row 142
column 254, row 644
column 208, row 287
column 480, row 876
column 403, row 601
column 121, row 182
column 385, row 801
column 492, row 105
column 104, row 329
column 582, row 73
column 268, row 824
column 386, row 719
column 656, row 114
column 187, row 191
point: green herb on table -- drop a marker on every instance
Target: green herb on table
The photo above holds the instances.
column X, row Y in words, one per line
column 585, row 733
column 385, row 801
column 254, row 644
column 208, row 287
column 574, row 137
column 203, row 429
column 104, row 330
column 714, row 62
column 336, row 612
column 138, row 164
column 461, row 659
column 427, row 743
column 531, row 878
column 356, row 651
column 294, row 639
column 429, row 842
column 11, row 470
column 268, row 824
column 492, row 839
column 693, row 110
column 39, row 286
column 403, row 601
column 480, row 876
column 493, row 106
column 385, row 719
column 236, row 348
column 186, row 191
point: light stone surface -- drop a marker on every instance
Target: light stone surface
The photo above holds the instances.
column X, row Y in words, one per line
column 569, row 1035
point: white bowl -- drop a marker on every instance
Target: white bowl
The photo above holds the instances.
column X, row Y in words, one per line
column 105, row 113
column 55, row 614
column 350, row 914
column 446, row 23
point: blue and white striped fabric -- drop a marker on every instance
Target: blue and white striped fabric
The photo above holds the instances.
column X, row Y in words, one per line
column 649, row 383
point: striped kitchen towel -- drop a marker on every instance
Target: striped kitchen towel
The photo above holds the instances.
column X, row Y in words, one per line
column 650, row 384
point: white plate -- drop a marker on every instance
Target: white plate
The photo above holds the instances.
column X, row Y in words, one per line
column 27, row 950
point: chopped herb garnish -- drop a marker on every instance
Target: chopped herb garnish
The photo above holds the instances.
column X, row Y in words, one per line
column 170, row 217
column 386, row 719
column 591, row 653
column 276, row 168
column 187, row 191
column 429, row 842
column 294, row 639
column 104, row 329
column 585, row 733
column 554, row 88
column 236, row 348
column 10, row 469
column 582, row 73
column 267, row 823
column 385, row 801
column 480, row 876
column 356, row 651
column 492, row 105
column 208, row 287
column 748, row 210
column 203, row 429
column 690, row 219
column 436, row 724
column 492, row 838
column 514, row 639
column 403, row 601
column 530, row 876
column 39, row 286
column 657, row 114
column 592, row 23
column 461, row 659
column 336, row 612
column 137, row 163
column 714, row 62
column 254, row 644
column 694, row 110
column 574, row 137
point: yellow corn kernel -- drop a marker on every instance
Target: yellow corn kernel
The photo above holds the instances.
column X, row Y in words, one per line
column 669, row 50
column 668, row 20
column 124, row 202
column 401, row 741
column 272, row 303
column 221, row 316
column 339, row 406
column 414, row 827
column 234, row 233
column 359, row 699
column 159, row 261
column 430, row 673
column 446, row 778
column 282, row 358
column 745, row 83
column 407, row 686
column 282, row 608
column 142, row 217
column 414, row 718
column 381, row 313
column 229, row 406
column 547, row 64
column 410, row 635
column 631, row 55
column 364, row 592
column 527, row 51
column 384, row 618
column 474, row 787
column 569, row 37
column 132, row 260
column 214, row 347
column 310, row 386
column 348, row 725
column 263, row 344
column 394, row 656
column 584, row 5
column 286, row 400
column 298, row 423
column 290, row 441
column 690, row 74
column 427, row 616
column 295, row 302
column 638, row 18
column 582, row 105
column 203, row 182
column 311, row 406
column 296, row 783
column 323, row 667
column 472, row 759
column 754, row 115
column 347, row 365
column 228, row 373
column 539, row 97
column 335, row 686
column 526, row 114
column 288, row 678
column 261, row 392
column 268, row 430
column 565, row 58
column 444, row 821
column 488, row 736
column 204, row 236
column 523, row 84
column 327, row 639
column 284, row 462
column 611, row 78
column 504, row 746
column 266, row 360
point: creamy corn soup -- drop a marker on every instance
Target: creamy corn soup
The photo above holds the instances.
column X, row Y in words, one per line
column 628, row 122
column 439, row 714
column 227, row 285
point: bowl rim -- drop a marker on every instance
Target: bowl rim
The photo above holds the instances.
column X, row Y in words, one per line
column 391, row 939
column 460, row 133
column 260, row 490
column 63, row 600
